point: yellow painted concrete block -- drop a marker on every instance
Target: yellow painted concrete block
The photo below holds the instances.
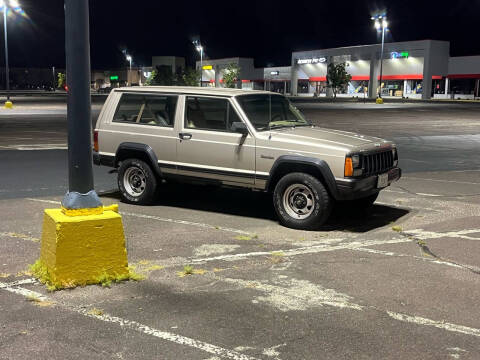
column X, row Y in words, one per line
column 379, row 101
column 8, row 105
column 78, row 250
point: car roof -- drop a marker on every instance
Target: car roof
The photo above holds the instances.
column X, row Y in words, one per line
column 192, row 90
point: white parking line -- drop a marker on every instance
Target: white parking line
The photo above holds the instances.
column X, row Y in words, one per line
column 184, row 222
column 133, row 325
column 390, row 253
column 438, row 324
column 35, row 147
column 439, row 180
column 16, row 289
column 287, row 295
column 158, row 218
column 300, row 251
column 461, row 234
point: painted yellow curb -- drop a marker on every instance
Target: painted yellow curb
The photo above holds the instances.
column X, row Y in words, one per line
column 82, row 249
column 8, row 105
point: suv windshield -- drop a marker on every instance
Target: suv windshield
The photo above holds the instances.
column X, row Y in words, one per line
column 269, row 111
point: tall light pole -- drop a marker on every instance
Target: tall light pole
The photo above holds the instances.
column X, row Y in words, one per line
column 381, row 24
column 199, row 48
column 6, row 6
column 81, row 193
column 129, row 59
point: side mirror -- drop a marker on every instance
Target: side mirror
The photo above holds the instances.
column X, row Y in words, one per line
column 239, row 127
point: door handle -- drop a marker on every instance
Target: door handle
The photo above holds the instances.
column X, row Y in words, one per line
column 185, row 136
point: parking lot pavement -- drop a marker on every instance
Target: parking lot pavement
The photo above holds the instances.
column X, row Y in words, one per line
column 355, row 289
column 400, row 280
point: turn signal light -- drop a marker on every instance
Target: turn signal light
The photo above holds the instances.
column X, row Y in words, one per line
column 95, row 141
column 348, row 167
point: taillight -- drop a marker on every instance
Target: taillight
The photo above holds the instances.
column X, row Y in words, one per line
column 95, row 140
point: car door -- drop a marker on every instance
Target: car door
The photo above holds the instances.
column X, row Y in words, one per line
column 148, row 119
column 208, row 148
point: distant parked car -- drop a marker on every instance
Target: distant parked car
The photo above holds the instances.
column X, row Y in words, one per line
column 233, row 137
column 105, row 90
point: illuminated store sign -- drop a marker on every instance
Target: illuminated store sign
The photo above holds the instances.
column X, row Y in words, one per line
column 399, row 55
column 274, row 72
column 207, row 67
column 311, row 61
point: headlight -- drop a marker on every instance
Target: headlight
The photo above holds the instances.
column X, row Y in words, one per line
column 395, row 156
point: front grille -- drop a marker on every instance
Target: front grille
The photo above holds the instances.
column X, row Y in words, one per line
column 377, row 163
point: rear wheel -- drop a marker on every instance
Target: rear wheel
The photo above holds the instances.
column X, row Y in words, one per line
column 301, row 201
column 137, row 182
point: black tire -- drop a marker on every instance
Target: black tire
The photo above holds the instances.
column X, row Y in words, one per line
column 320, row 210
column 148, row 182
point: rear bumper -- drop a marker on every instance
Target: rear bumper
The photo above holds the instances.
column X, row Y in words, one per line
column 351, row 189
column 105, row 160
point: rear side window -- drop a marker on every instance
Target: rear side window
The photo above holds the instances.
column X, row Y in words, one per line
column 147, row 109
column 209, row 114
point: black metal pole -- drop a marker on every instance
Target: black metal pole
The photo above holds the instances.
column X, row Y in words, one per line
column 7, row 70
column 77, row 46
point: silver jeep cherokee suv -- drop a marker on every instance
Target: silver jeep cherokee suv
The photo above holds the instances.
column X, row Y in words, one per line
column 252, row 139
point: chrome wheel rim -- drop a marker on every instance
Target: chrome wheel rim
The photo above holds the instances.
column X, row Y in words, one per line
column 298, row 201
column 134, row 181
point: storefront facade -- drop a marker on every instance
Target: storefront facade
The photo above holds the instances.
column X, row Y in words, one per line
column 413, row 69
column 408, row 69
column 212, row 73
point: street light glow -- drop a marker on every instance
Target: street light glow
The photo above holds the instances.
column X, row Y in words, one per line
column 385, row 23
column 377, row 25
column 199, row 48
column 129, row 58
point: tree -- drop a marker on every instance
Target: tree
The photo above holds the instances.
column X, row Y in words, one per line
column 337, row 77
column 162, row 75
column 231, row 75
column 151, row 78
column 188, row 77
column 60, row 80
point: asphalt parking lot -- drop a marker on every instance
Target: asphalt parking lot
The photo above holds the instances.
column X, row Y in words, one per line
column 399, row 281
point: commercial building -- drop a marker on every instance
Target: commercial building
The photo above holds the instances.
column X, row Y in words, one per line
column 213, row 70
column 414, row 69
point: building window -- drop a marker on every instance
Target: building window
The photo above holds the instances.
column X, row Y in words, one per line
column 303, row 86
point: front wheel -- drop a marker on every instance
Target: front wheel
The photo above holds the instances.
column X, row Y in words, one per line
column 137, row 182
column 301, row 201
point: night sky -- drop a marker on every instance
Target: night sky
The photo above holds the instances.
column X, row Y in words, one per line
column 268, row 31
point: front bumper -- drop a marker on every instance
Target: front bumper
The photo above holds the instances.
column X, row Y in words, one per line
column 351, row 189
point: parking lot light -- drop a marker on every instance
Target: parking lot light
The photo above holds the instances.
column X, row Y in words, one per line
column 5, row 7
column 381, row 24
column 199, row 48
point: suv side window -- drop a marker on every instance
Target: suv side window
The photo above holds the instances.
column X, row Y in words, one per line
column 209, row 114
column 147, row 109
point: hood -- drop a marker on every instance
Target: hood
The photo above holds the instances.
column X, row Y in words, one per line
column 321, row 137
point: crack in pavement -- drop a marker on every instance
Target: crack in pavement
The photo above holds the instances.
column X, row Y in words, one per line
column 420, row 241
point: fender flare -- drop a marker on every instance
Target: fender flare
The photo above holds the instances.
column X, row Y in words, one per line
column 318, row 164
column 138, row 148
